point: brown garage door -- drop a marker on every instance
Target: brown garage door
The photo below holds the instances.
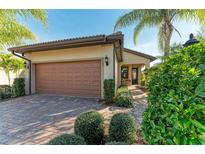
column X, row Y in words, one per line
column 81, row 78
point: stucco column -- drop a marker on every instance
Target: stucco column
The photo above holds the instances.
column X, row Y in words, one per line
column 139, row 73
column 26, row 76
column 119, row 74
column 33, row 80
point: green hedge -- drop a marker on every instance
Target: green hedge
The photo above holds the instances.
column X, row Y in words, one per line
column 67, row 139
column 109, row 90
column 5, row 91
column 19, row 87
column 90, row 126
column 122, row 128
column 124, row 97
column 175, row 113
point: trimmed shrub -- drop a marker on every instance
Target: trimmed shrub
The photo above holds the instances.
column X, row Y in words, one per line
column 5, row 91
column 124, row 100
column 116, row 143
column 90, row 126
column 19, row 87
column 124, row 97
column 122, row 89
column 67, row 139
column 122, row 128
column 109, row 90
column 175, row 113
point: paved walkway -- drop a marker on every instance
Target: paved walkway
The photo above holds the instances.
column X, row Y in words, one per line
column 140, row 102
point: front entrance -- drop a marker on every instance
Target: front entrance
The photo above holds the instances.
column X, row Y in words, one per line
column 134, row 75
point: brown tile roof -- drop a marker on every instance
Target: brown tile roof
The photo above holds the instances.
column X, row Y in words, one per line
column 152, row 58
column 115, row 38
column 69, row 43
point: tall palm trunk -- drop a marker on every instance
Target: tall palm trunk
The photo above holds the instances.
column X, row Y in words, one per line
column 168, row 30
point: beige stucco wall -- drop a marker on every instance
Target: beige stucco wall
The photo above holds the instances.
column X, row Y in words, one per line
column 4, row 80
column 75, row 54
column 129, row 58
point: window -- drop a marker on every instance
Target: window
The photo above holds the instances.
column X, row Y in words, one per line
column 124, row 72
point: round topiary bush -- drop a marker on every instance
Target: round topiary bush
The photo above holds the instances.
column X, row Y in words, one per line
column 176, row 106
column 124, row 100
column 116, row 143
column 68, row 139
column 122, row 128
column 90, row 126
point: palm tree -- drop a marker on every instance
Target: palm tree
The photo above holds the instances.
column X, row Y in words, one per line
column 162, row 19
column 12, row 32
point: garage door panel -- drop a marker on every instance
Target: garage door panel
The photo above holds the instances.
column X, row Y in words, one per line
column 82, row 78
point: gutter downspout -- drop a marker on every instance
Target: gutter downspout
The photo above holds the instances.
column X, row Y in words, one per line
column 29, row 61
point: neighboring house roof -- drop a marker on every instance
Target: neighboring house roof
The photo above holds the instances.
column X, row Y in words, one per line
column 152, row 58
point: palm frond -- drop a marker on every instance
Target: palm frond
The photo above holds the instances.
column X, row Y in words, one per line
column 185, row 14
column 146, row 21
column 134, row 17
column 38, row 14
column 13, row 33
column 137, row 31
column 127, row 19
column 177, row 31
column 201, row 16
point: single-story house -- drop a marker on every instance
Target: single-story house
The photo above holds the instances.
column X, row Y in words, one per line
column 78, row 66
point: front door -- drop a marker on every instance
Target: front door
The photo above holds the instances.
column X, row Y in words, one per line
column 134, row 75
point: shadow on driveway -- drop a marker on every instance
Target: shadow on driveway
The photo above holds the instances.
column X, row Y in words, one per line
column 36, row 119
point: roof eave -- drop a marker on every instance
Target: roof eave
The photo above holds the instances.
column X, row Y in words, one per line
column 58, row 45
column 116, row 39
column 151, row 58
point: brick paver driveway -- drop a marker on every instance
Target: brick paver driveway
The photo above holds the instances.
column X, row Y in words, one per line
column 36, row 119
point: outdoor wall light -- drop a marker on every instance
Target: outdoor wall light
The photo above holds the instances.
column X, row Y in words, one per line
column 106, row 60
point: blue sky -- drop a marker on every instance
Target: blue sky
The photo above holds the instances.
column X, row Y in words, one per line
column 75, row 23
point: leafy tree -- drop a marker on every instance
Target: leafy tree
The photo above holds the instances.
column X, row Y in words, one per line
column 8, row 63
column 162, row 19
column 18, row 64
column 12, row 32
